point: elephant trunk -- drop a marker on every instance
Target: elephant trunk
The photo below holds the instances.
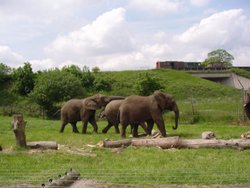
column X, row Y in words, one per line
column 176, row 111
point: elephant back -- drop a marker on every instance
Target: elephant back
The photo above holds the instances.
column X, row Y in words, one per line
column 70, row 111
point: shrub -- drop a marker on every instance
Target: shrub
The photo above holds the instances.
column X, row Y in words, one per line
column 55, row 86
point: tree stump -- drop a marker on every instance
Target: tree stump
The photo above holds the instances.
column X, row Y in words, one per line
column 18, row 126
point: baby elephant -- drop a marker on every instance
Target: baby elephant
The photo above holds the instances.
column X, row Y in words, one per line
column 111, row 114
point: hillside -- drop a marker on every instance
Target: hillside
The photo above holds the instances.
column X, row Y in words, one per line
column 178, row 83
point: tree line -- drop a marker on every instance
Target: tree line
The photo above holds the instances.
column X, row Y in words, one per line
column 48, row 88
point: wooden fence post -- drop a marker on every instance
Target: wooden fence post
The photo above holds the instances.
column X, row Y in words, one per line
column 18, row 126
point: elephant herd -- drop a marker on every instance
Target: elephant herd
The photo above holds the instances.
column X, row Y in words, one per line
column 132, row 110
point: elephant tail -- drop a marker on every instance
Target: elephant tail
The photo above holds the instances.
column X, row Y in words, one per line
column 118, row 116
column 59, row 110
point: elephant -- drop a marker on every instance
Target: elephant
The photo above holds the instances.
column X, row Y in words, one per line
column 111, row 114
column 136, row 109
column 84, row 110
column 247, row 104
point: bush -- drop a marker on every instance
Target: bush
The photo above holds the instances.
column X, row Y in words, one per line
column 24, row 79
column 55, row 86
column 147, row 85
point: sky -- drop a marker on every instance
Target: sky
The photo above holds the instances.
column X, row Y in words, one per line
column 121, row 34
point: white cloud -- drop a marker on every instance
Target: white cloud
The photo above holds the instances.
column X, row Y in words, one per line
column 223, row 29
column 106, row 35
column 199, row 3
column 228, row 30
column 10, row 58
column 157, row 7
column 108, row 42
column 241, row 56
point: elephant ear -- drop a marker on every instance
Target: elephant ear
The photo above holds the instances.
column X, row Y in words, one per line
column 90, row 104
column 160, row 99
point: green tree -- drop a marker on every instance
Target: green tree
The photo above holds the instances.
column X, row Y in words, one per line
column 73, row 69
column 24, row 79
column 147, row 85
column 87, row 79
column 218, row 58
column 5, row 72
column 102, row 85
column 55, row 86
column 96, row 69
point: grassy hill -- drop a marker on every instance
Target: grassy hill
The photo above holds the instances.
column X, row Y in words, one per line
column 199, row 100
column 178, row 83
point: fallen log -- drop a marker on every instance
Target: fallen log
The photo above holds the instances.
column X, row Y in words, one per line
column 176, row 142
column 164, row 143
column 117, row 144
column 42, row 145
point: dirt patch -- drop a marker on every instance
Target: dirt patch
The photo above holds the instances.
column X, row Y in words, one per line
column 95, row 184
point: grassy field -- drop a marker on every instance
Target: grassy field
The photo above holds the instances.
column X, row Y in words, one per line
column 140, row 166
column 203, row 105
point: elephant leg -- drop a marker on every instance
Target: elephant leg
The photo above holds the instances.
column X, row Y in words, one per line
column 117, row 130
column 74, row 127
column 63, row 126
column 131, row 128
column 143, row 125
column 84, row 127
column 123, row 132
column 135, row 130
column 105, row 130
column 93, row 123
column 160, row 124
column 149, row 127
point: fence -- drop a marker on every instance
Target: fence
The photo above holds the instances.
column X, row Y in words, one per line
column 117, row 177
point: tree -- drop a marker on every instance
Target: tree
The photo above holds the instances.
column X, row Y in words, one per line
column 24, row 79
column 218, row 58
column 96, row 69
column 102, row 85
column 88, row 79
column 73, row 69
column 5, row 72
column 147, row 85
column 55, row 86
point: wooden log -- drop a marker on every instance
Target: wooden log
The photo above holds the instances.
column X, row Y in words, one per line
column 42, row 145
column 176, row 142
column 116, row 144
column 18, row 126
column 164, row 143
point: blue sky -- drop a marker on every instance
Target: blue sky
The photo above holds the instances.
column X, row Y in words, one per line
column 120, row 34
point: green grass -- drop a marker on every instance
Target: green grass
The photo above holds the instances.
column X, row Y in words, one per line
column 141, row 166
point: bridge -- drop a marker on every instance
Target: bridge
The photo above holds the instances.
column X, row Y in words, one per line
column 225, row 78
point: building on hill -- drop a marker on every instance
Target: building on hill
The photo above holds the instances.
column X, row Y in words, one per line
column 178, row 65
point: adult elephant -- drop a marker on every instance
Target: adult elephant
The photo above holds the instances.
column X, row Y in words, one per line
column 84, row 110
column 111, row 114
column 148, row 109
column 247, row 104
